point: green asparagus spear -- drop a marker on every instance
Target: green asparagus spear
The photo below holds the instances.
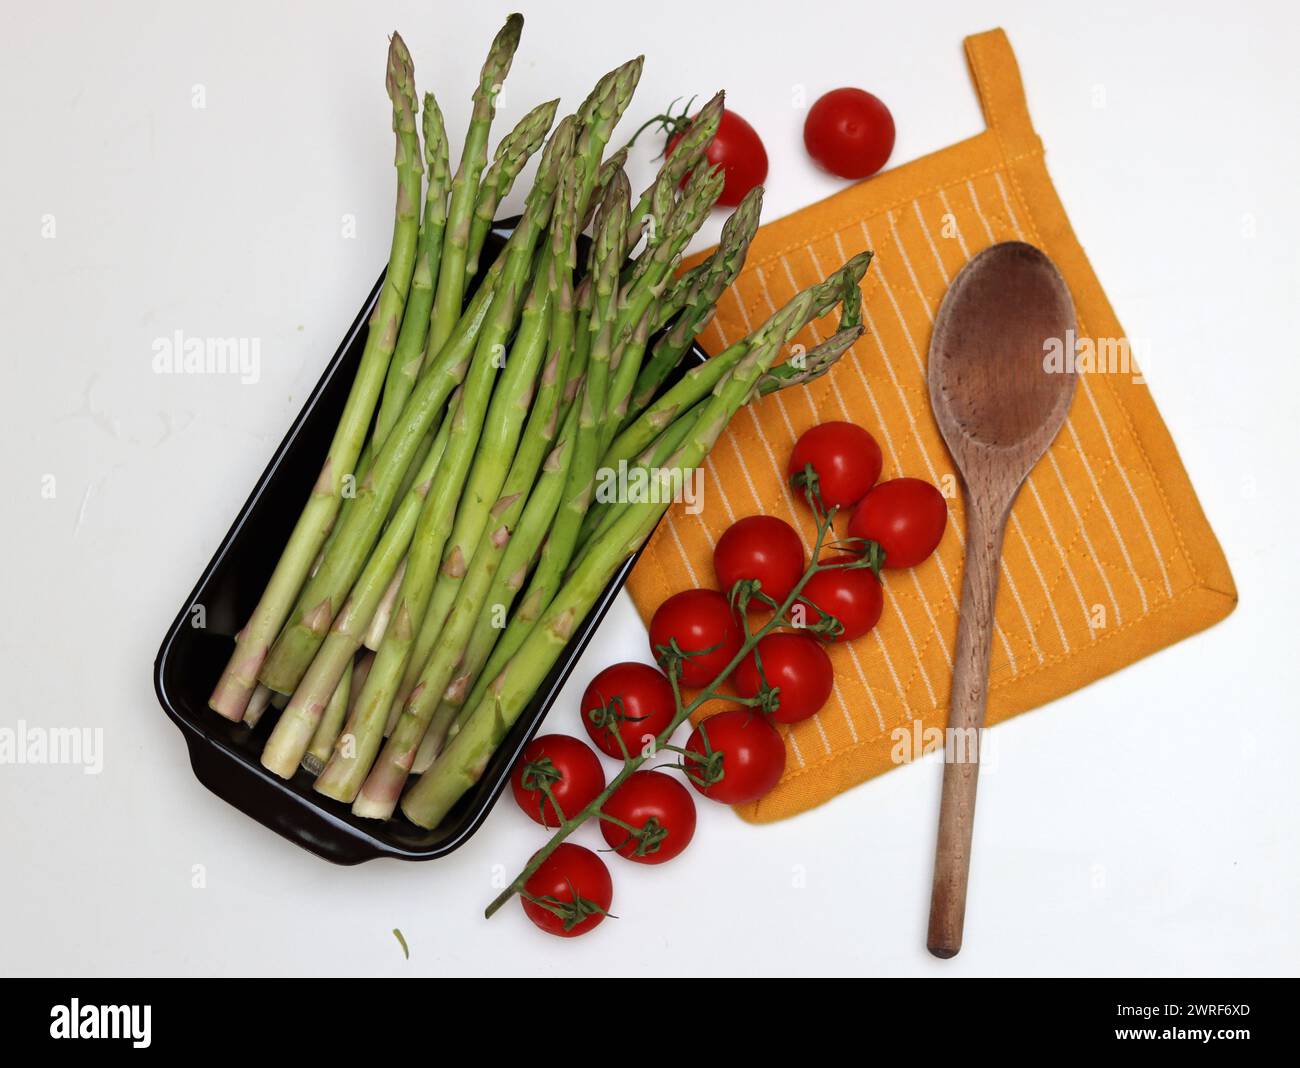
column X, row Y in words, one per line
column 450, row 290
column 511, row 155
column 597, row 117
column 613, row 165
column 379, row 624
column 233, row 689
column 409, row 354
column 330, row 723
column 322, row 743
column 257, row 704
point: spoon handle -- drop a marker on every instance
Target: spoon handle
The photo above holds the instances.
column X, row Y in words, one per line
column 970, row 684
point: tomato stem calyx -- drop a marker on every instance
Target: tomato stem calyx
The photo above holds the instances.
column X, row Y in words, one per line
column 671, row 657
column 710, row 768
column 869, row 553
column 570, row 913
column 745, row 592
column 649, row 837
column 667, row 122
column 809, row 484
column 609, row 716
column 540, row 776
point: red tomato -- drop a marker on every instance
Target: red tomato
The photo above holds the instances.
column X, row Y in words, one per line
column 745, row 756
column 570, row 893
column 853, row 595
column 567, row 766
column 850, row 132
column 845, row 459
column 660, row 808
column 796, row 667
column 697, row 620
column 737, row 148
column 760, row 547
column 629, row 701
column 906, row 516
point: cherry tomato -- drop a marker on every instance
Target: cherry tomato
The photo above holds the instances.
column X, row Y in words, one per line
column 845, row 458
column 698, row 620
column 795, row 666
column 628, row 700
column 657, row 805
column 906, row 516
column 850, row 132
column 739, row 150
column 760, row 547
column 853, row 595
column 570, row 893
column 567, row 766
column 745, row 756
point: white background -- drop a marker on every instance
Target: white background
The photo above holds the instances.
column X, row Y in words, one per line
column 1146, row 825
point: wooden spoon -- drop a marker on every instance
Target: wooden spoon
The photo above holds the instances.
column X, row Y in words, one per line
column 998, row 407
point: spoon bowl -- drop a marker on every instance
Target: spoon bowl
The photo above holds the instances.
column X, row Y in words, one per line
column 988, row 383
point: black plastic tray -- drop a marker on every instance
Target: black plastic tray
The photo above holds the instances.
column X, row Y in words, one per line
column 225, row 755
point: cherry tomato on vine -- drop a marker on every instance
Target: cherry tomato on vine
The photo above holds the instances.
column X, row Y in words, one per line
column 906, row 516
column 661, row 810
column 744, row 757
column 853, row 595
column 697, row 620
column 736, row 147
column 845, row 459
column 760, row 547
column 567, row 766
column 628, row 700
column 797, row 667
column 570, row 893
column 850, row 132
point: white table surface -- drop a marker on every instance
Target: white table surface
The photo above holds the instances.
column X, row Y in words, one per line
column 1145, row 825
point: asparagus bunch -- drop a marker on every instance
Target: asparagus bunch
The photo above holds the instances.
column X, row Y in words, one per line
column 427, row 606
